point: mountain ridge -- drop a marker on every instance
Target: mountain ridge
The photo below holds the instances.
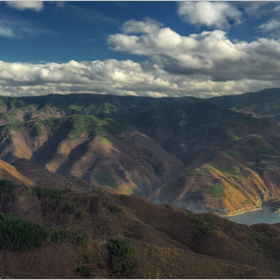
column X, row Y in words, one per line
column 155, row 148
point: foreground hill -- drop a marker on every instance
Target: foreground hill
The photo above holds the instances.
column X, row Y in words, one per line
column 63, row 233
column 184, row 151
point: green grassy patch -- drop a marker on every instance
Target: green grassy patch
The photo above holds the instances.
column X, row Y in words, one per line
column 233, row 135
column 230, row 170
column 234, row 153
column 106, row 178
column 245, row 202
column 93, row 127
column 35, row 129
column 199, row 172
column 12, row 127
column 255, row 140
column 268, row 151
column 217, row 191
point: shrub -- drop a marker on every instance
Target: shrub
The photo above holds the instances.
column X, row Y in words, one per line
column 86, row 258
column 80, row 215
column 43, row 193
column 113, row 208
column 69, row 209
column 205, row 223
column 83, row 270
column 120, row 252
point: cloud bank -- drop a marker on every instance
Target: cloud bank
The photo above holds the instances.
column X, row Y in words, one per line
column 204, row 64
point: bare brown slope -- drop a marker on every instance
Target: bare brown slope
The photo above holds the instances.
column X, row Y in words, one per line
column 134, row 162
column 42, row 177
column 9, row 172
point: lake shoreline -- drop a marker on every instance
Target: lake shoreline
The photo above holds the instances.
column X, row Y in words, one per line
column 236, row 213
column 255, row 216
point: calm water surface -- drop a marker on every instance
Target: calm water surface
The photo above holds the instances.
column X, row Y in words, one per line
column 256, row 217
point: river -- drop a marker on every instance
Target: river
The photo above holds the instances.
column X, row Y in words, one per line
column 255, row 217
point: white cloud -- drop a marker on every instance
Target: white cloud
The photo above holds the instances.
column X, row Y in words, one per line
column 18, row 29
column 146, row 26
column 114, row 77
column 36, row 6
column 215, row 14
column 270, row 25
column 208, row 53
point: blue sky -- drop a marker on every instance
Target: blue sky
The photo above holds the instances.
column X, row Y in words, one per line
column 153, row 49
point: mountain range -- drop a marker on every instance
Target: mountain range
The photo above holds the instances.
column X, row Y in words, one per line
column 219, row 155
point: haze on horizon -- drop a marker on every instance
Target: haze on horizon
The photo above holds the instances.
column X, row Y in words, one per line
column 156, row 49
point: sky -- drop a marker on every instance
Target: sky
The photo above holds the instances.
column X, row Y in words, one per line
column 155, row 49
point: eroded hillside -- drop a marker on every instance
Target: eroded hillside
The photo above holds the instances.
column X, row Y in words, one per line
column 183, row 151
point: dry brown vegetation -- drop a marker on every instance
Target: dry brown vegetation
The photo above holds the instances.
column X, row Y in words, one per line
column 166, row 241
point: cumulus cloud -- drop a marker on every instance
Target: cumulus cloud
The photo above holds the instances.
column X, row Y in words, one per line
column 208, row 53
column 114, row 77
column 36, row 6
column 18, row 29
column 148, row 26
column 214, row 14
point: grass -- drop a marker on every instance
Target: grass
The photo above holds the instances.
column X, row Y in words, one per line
column 199, row 172
column 217, row 191
column 104, row 140
column 93, row 126
column 268, row 151
column 245, row 202
column 234, row 153
column 233, row 135
column 36, row 130
column 106, row 178
column 12, row 127
column 231, row 171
